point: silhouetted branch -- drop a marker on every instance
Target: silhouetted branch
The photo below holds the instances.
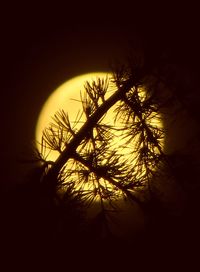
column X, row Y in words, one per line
column 89, row 160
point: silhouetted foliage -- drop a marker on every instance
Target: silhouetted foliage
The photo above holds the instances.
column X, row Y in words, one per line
column 89, row 167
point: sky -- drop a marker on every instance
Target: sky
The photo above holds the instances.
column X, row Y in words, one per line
column 43, row 46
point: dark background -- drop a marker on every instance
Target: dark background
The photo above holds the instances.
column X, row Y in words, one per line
column 44, row 45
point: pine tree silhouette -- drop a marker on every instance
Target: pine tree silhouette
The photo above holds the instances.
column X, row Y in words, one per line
column 88, row 164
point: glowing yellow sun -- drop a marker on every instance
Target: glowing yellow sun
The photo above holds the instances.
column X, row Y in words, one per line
column 68, row 97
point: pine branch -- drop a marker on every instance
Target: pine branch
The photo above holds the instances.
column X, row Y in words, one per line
column 88, row 126
column 86, row 156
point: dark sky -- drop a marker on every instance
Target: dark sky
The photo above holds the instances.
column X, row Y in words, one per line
column 43, row 46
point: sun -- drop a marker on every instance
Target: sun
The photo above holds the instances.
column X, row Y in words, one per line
column 69, row 97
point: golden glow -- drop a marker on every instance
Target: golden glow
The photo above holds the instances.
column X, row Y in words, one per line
column 68, row 98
